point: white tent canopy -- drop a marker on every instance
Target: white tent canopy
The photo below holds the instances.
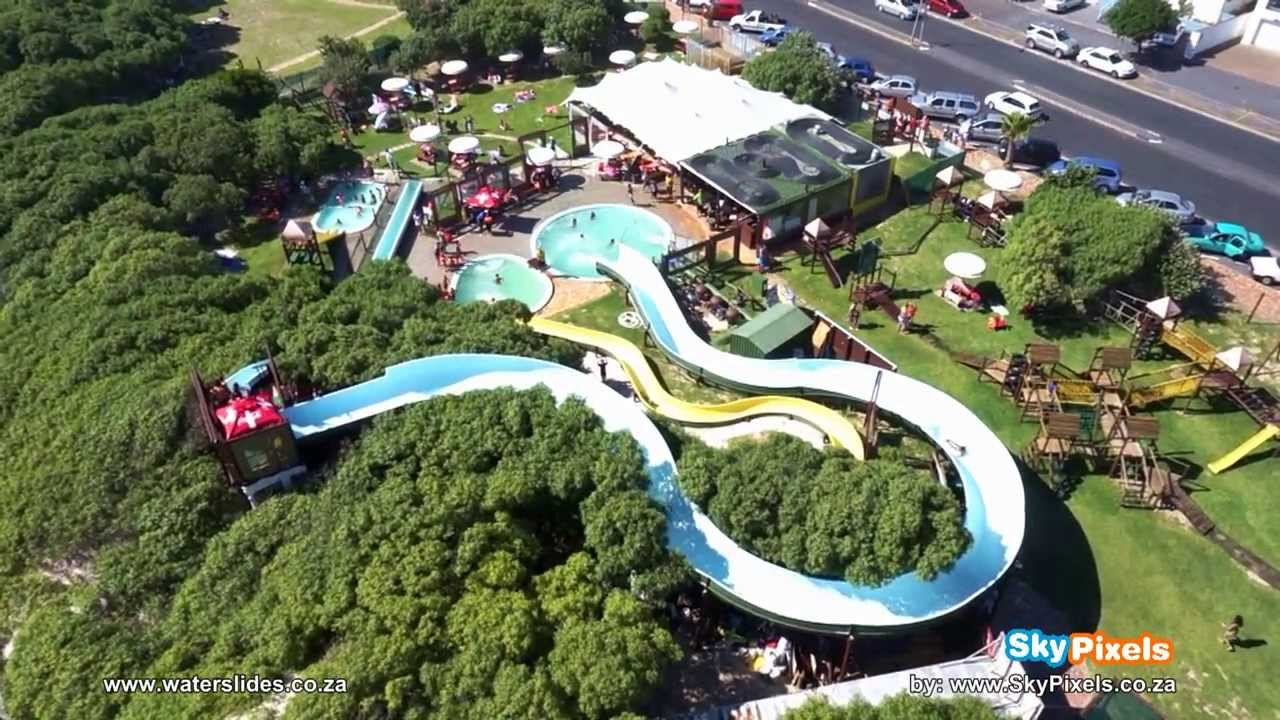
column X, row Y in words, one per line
column 1164, row 308
column 681, row 110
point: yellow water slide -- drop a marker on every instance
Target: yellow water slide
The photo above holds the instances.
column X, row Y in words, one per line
column 1245, row 448
column 651, row 392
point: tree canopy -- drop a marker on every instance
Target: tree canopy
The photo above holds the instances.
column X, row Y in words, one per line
column 1139, row 20
column 344, row 63
column 799, row 70
column 897, row 707
column 825, row 513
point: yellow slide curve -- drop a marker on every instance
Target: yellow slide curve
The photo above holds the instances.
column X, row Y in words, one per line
column 651, row 392
column 1245, row 448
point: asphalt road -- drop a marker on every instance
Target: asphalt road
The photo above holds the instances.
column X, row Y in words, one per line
column 1229, row 173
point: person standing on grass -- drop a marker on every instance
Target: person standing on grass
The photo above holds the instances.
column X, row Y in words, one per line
column 1231, row 633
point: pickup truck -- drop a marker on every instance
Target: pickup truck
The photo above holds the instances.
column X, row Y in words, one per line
column 757, row 21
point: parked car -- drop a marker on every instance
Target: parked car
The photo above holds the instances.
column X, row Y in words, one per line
column 775, row 36
column 1108, row 61
column 1031, row 152
column 988, row 128
column 1061, row 6
column 1266, row 270
column 757, row 21
column 836, row 59
column 895, row 86
column 1106, row 173
column 947, row 105
column 1051, row 39
column 905, row 9
column 717, row 9
column 862, row 68
column 1235, row 241
column 1173, row 204
column 1007, row 103
column 948, row 8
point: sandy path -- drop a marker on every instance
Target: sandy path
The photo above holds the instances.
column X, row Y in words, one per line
column 359, row 33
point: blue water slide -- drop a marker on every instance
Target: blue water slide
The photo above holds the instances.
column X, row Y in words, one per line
column 389, row 240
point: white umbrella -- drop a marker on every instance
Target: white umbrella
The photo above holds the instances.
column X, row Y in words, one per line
column 1002, row 180
column 454, row 67
column 635, row 17
column 464, row 145
column 622, row 57
column 965, row 265
column 608, row 149
column 511, row 56
column 424, row 133
column 552, row 50
column 378, row 108
column 541, row 156
column 395, row 84
column 685, row 27
column 989, row 199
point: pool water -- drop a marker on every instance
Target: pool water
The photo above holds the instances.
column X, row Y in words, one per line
column 354, row 214
column 573, row 240
column 477, row 282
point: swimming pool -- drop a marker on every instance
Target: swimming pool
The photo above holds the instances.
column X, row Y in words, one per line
column 573, row 240
column 477, row 282
column 353, row 214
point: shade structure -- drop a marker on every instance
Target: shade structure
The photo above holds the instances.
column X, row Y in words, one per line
column 1002, row 180
column 817, row 228
column 989, row 199
column 1164, row 308
column 454, row 67
column 949, row 176
column 424, row 133
column 1236, row 358
column 965, row 265
column 541, row 156
column 395, row 84
column 635, row 17
column 685, row 27
column 607, row 149
column 486, row 197
column 464, row 145
column 622, row 57
column 552, row 50
column 378, row 108
column 511, row 56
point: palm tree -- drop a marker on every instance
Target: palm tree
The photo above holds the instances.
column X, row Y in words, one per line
column 1014, row 127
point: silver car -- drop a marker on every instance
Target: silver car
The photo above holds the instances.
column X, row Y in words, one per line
column 895, row 86
column 1051, row 39
column 988, row 128
column 1172, row 204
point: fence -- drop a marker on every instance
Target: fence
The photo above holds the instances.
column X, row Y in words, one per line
column 1217, row 35
column 922, row 181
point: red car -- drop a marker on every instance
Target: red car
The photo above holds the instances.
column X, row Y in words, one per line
column 950, row 8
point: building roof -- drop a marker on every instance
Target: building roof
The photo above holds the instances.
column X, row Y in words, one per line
column 773, row 328
column 681, row 110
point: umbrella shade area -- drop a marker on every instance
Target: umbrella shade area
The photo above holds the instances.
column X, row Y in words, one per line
column 636, row 17
column 965, row 265
column 464, row 145
column 541, row 156
column 424, row 133
column 685, row 27
column 511, row 56
column 395, row 84
column 454, row 67
column 486, row 198
column 622, row 57
column 1002, row 180
column 607, row 149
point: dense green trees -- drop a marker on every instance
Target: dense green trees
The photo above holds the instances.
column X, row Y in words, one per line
column 579, row 25
column 1072, row 245
column 344, row 63
column 1139, row 20
column 898, row 707
column 825, row 513
column 798, row 69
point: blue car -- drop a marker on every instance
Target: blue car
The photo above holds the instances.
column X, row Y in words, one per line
column 1107, row 173
column 773, row 37
column 862, row 68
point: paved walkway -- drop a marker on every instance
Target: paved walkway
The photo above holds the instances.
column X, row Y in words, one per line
column 1203, row 83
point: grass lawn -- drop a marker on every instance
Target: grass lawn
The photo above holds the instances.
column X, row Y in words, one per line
column 275, row 31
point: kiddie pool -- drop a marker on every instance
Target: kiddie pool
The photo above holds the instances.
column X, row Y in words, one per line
column 477, row 282
column 573, row 240
column 352, row 215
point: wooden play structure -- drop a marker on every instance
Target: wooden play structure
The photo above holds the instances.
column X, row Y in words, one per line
column 868, row 287
column 820, row 239
column 302, row 245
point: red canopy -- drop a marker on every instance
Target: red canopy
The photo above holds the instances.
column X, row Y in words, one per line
column 487, row 198
column 243, row 415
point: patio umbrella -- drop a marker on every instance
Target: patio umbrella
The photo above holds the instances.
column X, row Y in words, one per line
column 622, row 57
column 948, row 176
column 486, row 197
column 965, row 265
column 464, row 145
column 552, row 50
column 424, row 133
column 1002, row 180
column 541, row 156
column 685, row 27
column 989, row 199
column 635, row 17
column 454, row 67
column 395, row 84
column 378, row 108
column 608, row 149
column 511, row 56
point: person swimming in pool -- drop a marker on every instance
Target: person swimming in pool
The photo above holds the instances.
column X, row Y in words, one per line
column 573, row 222
column 338, row 197
column 497, row 278
column 593, row 214
column 613, row 241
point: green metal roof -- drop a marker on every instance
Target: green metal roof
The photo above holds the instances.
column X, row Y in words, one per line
column 769, row 330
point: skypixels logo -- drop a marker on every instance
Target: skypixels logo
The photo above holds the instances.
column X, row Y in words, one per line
column 1056, row 650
